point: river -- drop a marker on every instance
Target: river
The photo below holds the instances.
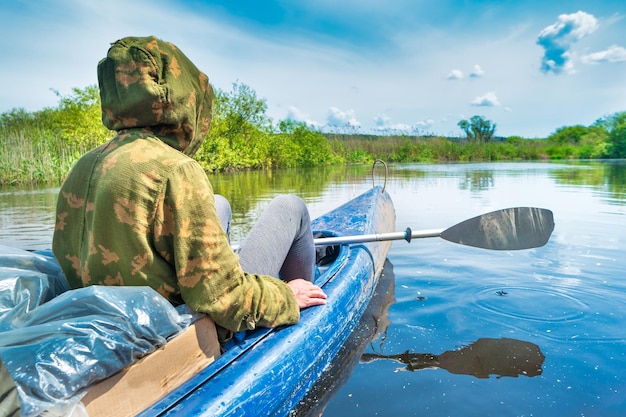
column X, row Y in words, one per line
column 463, row 331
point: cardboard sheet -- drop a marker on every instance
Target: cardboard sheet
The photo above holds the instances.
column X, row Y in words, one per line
column 143, row 383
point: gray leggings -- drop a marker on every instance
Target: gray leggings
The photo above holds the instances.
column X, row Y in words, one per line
column 280, row 243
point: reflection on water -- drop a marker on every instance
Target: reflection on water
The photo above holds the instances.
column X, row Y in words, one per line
column 608, row 177
column 477, row 180
column 373, row 324
column 249, row 191
column 484, row 357
column 27, row 217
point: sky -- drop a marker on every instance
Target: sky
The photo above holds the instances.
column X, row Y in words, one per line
column 365, row 66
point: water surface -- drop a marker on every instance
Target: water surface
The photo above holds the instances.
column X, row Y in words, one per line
column 452, row 309
column 568, row 298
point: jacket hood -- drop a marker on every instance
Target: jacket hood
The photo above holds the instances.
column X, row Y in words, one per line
column 146, row 83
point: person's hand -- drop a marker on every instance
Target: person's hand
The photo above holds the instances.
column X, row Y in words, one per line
column 307, row 294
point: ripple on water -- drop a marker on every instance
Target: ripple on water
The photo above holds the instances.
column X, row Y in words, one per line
column 562, row 314
column 536, row 304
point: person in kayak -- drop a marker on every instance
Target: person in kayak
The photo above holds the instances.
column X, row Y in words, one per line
column 139, row 210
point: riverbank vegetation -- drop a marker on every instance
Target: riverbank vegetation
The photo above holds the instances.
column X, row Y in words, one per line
column 40, row 147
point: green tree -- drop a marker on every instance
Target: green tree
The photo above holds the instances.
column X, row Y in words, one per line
column 579, row 141
column 238, row 137
column 77, row 118
column 617, row 135
column 17, row 119
column 478, row 129
column 240, row 113
column 306, row 146
column 568, row 135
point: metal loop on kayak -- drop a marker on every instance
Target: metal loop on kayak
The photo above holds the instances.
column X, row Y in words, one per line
column 386, row 173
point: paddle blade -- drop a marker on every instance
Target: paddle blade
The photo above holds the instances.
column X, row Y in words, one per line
column 507, row 229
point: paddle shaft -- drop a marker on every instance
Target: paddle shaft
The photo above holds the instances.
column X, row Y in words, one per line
column 378, row 237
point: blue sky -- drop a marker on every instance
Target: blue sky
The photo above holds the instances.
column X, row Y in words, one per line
column 407, row 66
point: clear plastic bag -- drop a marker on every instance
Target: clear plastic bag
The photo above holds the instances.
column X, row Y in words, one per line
column 27, row 279
column 54, row 342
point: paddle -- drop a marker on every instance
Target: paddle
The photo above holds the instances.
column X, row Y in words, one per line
column 507, row 229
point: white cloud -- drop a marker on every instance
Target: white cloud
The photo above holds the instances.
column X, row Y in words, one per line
column 477, row 72
column 613, row 54
column 487, row 100
column 455, row 74
column 425, row 123
column 384, row 124
column 382, row 121
column 399, row 127
column 558, row 38
column 295, row 114
column 339, row 118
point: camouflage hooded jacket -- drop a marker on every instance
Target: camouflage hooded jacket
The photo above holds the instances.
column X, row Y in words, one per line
column 138, row 210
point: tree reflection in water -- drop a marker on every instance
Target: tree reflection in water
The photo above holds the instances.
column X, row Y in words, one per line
column 484, row 357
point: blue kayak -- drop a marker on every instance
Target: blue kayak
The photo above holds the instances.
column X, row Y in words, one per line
column 270, row 371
